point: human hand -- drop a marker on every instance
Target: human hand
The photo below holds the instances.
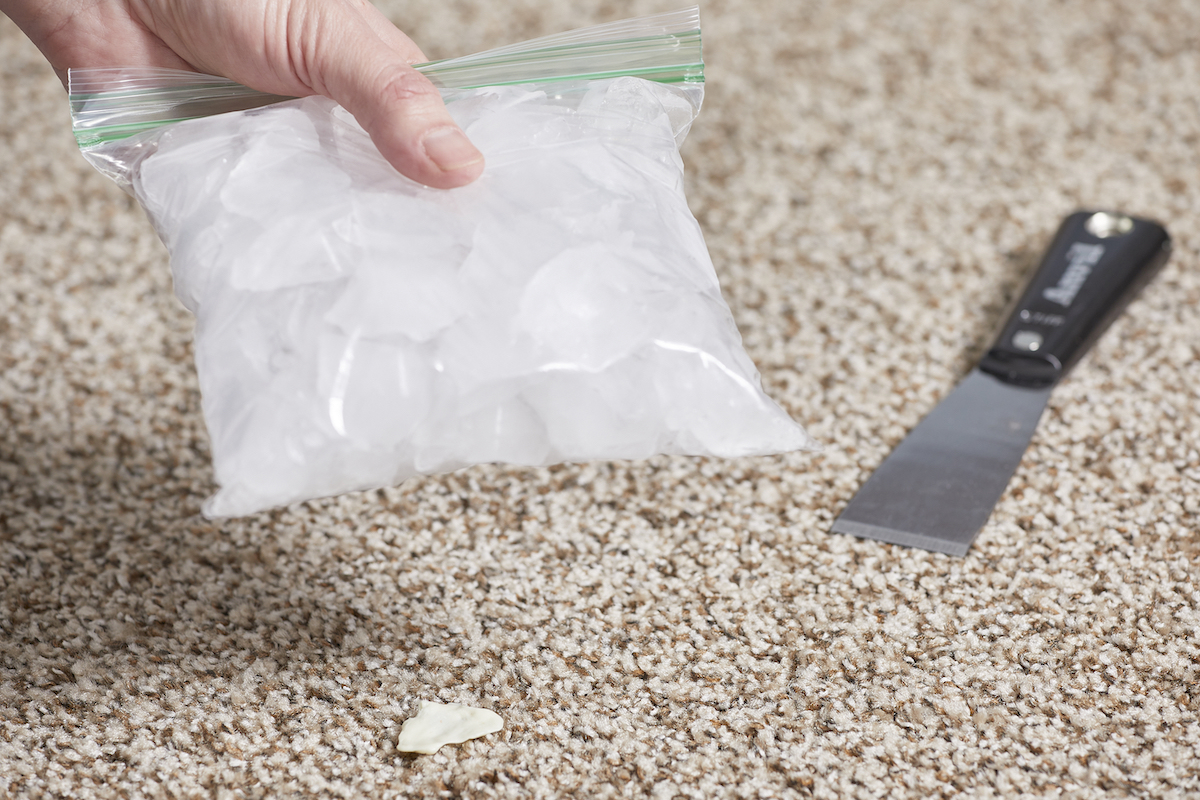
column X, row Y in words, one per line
column 343, row 49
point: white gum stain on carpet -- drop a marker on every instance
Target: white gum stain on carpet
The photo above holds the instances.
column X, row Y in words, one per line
column 437, row 724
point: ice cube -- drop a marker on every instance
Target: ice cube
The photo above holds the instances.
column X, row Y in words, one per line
column 581, row 425
column 484, row 348
column 280, row 175
column 586, row 307
column 263, row 453
column 296, row 194
column 588, row 418
column 414, row 299
column 504, row 255
column 509, row 431
column 189, row 164
column 713, row 408
column 406, row 258
column 377, row 393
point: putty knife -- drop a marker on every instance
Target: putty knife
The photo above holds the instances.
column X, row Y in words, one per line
column 938, row 487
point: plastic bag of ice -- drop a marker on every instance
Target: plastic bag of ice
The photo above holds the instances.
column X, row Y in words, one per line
column 355, row 329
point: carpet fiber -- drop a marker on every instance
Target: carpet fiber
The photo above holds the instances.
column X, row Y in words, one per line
column 874, row 178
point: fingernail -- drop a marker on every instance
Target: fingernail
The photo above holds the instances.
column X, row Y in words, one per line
column 450, row 149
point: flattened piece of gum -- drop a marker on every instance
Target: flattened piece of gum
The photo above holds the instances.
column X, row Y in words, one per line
column 437, row 724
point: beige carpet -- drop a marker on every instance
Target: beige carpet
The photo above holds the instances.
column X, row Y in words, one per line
column 874, row 178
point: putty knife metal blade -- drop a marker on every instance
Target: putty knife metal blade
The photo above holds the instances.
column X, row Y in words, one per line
column 939, row 486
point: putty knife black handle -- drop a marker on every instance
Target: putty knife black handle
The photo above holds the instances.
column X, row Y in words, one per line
column 1097, row 262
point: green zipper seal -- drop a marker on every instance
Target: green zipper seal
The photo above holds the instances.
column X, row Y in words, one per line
column 236, row 97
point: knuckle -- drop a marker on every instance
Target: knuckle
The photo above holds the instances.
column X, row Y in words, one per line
column 405, row 85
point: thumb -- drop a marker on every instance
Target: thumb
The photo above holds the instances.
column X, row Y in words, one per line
column 399, row 107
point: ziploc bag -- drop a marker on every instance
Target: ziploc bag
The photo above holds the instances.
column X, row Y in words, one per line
column 354, row 328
